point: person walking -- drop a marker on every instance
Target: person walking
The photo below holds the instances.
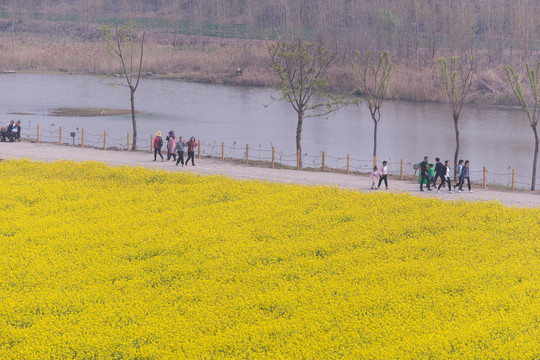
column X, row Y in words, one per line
column 180, row 147
column 191, row 145
column 171, row 146
column 158, row 144
column 458, row 172
column 439, row 171
column 424, row 174
column 383, row 175
column 431, row 173
column 465, row 173
column 374, row 175
column 446, row 177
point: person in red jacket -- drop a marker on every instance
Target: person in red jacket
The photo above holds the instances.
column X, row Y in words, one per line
column 158, row 144
column 191, row 145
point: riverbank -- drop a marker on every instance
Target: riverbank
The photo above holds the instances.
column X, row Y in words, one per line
column 214, row 61
column 211, row 166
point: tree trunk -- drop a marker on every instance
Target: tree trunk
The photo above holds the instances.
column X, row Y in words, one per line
column 376, row 123
column 456, row 154
column 299, row 136
column 133, row 121
column 533, row 183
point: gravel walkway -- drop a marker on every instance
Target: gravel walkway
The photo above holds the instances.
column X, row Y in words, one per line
column 52, row 152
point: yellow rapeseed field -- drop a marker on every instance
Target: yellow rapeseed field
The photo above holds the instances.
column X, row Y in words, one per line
column 100, row 262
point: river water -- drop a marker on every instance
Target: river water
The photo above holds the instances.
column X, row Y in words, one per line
column 500, row 139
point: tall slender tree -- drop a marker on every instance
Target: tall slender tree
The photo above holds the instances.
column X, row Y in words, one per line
column 530, row 103
column 456, row 81
column 373, row 81
column 124, row 44
column 301, row 68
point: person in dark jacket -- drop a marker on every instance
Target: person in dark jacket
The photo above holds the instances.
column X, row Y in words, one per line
column 158, row 144
column 424, row 174
column 446, row 177
column 18, row 133
column 7, row 133
column 465, row 173
column 439, row 172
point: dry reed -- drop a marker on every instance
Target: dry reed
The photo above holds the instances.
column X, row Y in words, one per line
column 214, row 62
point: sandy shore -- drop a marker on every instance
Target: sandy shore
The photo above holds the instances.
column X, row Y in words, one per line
column 206, row 166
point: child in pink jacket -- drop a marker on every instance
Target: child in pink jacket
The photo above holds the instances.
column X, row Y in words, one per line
column 374, row 175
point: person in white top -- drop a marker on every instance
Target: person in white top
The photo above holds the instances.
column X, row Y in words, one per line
column 446, row 177
column 384, row 175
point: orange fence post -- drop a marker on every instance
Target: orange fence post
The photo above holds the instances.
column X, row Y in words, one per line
column 38, row 133
column 60, row 136
column 513, row 179
column 247, row 154
column 151, row 143
column 273, row 155
column 348, row 162
column 199, row 149
column 105, row 140
column 128, row 141
column 322, row 166
column 484, row 180
column 401, row 171
column 374, row 161
column 297, row 159
column 222, row 150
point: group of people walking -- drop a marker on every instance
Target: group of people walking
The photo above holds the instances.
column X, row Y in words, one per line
column 429, row 174
column 381, row 175
column 175, row 147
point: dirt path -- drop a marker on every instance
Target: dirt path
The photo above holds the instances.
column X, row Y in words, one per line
column 51, row 152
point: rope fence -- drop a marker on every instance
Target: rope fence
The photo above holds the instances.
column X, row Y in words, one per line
column 267, row 156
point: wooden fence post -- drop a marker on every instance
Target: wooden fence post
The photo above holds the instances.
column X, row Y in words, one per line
column 297, row 159
column 151, row 143
column 38, row 133
column 128, row 141
column 60, row 136
column 222, row 150
column 513, row 179
column 105, row 140
column 199, row 149
column 247, row 154
column 484, row 180
column 401, row 170
column 82, row 137
column 374, row 161
column 273, row 155
column 322, row 166
column 348, row 162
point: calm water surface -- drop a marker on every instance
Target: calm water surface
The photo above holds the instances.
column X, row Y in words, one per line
column 499, row 139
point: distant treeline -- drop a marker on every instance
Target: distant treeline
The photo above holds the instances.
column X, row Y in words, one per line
column 495, row 31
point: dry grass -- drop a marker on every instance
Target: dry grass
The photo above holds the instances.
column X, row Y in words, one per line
column 214, row 62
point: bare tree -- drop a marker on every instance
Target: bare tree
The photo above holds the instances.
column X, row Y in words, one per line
column 124, row 43
column 301, row 68
column 534, row 100
column 372, row 83
column 456, row 82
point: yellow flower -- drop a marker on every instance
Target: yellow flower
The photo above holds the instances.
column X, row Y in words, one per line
column 124, row 262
